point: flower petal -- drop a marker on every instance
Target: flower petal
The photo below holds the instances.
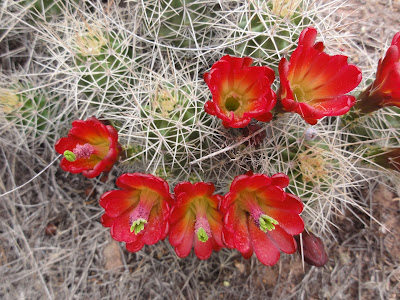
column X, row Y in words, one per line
column 184, row 248
column 135, row 246
column 284, row 241
column 264, row 248
column 291, row 222
column 203, row 250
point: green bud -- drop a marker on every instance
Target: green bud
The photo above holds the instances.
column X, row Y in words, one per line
column 69, row 155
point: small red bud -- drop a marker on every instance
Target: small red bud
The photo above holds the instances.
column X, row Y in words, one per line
column 50, row 229
column 258, row 138
column 313, row 249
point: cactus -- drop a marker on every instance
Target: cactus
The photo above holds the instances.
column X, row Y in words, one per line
column 381, row 126
column 181, row 23
column 103, row 61
column 27, row 109
column 270, row 29
column 48, row 9
column 174, row 127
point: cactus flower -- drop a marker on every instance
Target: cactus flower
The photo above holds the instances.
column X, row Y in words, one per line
column 260, row 217
column 313, row 249
column 138, row 214
column 240, row 91
column 91, row 148
column 313, row 83
column 195, row 220
column 385, row 90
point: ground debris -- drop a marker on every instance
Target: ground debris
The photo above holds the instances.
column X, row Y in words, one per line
column 112, row 256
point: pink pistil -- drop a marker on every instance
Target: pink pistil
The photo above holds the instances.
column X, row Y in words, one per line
column 83, row 151
column 202, row 222
column 140, row 212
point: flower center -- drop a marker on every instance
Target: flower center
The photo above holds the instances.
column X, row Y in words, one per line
column 139, row 217
column 80, row 151
column 267, row 223
column 202, row 229
column 298, row 93
column 232, row 102
column 263, row 221
column 141, row 214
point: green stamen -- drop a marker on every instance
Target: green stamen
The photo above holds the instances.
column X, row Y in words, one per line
column 267, row 223
column 69, row 155
column 202, row 235
column 138, row 225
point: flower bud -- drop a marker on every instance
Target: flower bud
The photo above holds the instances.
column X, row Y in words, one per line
column 313, row 249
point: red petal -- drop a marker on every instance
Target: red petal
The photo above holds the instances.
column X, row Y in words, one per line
column 264, row 248
column 323, row 68
column 275, row 197
column 135, row 246
column 280, row 179
column 202, row 188
column 155, row 227
column 230, row 219
column 307, row 37
column 66, row 144
column 284, row 241
column 210, row 108
column 291, row 222
column 271, row 195
column 179, row 229
column 264, row 118
column 120, row 229
column 396, row 39
column 91, row 131
column 181, row 208
column 184, row 248
column 335, row 106
column 227, row 239
column 216, row 226
column 80, row 164
column 392, row 56
column 248, row 254
column 106, row 221
column 345, row 80
column 183, row 187
column 202, row 250
column 256, row 182
column 132, row 181
column 116, row 202
column 241, row 234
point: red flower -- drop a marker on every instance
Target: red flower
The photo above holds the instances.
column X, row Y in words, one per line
column 91, row 148
column 259, row 216
column 137, row 214
column 240, row 92
column 313, row 83
column 195, row 219
column 385, row 90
